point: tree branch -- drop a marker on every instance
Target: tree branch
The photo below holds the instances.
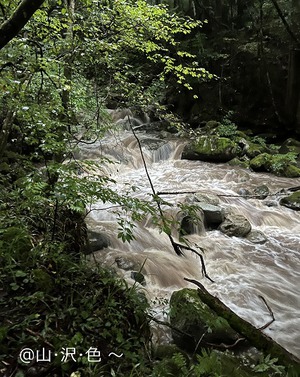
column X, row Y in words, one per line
column 11, row 27
column 284, row 21
column 178, row 248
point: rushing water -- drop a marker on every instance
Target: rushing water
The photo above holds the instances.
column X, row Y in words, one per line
column 240, row 269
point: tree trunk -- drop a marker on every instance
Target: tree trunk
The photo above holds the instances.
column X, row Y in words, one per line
column 5, row 130
column 11, row 27
column 293, row 90
column 255, row 336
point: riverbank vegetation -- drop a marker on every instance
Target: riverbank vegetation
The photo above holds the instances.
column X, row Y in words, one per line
column 62, row 64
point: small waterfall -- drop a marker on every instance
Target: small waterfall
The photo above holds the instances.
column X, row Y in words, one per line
column 241, row 270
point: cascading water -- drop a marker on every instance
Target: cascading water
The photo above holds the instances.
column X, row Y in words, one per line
column 241, row 270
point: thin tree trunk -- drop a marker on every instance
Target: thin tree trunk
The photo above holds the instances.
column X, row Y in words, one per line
column 5, row 130
column 293, row 90
column 255, row 336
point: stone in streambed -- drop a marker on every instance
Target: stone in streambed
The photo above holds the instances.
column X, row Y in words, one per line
column 211, row 148
column 235, row 225
column 257, row 237
column 292, row 201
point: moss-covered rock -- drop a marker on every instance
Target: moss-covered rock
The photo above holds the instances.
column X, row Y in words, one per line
column 262, row 191
column 291, row 171
column 292, row 201
column 280, row 164
column 196, row 321
column 238, row 162
column 290, row 145
column 211, row 148
column 262, row 162
column 252, row 150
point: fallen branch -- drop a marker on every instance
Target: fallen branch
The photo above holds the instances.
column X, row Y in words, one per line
column 271, row 314
column 256, row 337
column 293, row 189
column 178, row 248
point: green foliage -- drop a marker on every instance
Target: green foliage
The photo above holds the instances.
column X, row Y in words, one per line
column 228, row 128
column 68, row 304
column 280, row 161
column 269, row 364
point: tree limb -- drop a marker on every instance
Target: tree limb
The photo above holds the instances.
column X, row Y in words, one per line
column 256, row 337
column 284, row 21
column 11, row 27
column 178, row 248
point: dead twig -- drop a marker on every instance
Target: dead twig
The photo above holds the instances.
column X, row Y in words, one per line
column 270, row 312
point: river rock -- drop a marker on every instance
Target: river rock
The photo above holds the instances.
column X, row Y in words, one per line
column 211, row 148
column 245, row 193
column 196, row 321
column 256, row 236
column 96, row 241
column 213, row 215
column 292, row 201
column 124, row 263
column 235, row 225
column 206, row 198
column 290, row 145
column 262, row 162
column 239, row 162
column 190, row 225
column 138, row 277
column 262, row 191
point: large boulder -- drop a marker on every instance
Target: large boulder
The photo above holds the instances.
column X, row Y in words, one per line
column 96, row 241
column 211, row 148
column 213, row 215
column 196, row 321
column 292, row 201
column 252, row 150
column 290, row 145
column 235, row 225
column 262, row 191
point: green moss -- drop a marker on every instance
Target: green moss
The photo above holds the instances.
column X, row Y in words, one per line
column 292, row 201
column 255, row 149
column 237, row 162
column 291, row 171
column 262, row 162
column 212, row 148
column 43, row 280
column 279, row 164
column 195, row 319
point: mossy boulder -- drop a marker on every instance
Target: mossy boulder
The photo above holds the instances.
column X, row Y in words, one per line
column 292, row 201
column 196, row 321
column 96, row 241
column 262, row 162
column 290, row 145
column 253, row 149
column 238, row 162
column 212, row 149
column 280, row 164
column 262, row 191
column 291, row 171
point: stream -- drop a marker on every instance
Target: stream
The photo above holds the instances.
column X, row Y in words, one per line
column 241, row 270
